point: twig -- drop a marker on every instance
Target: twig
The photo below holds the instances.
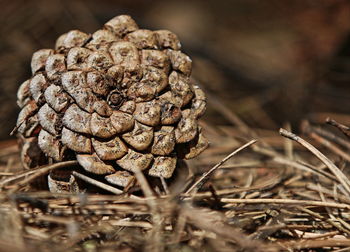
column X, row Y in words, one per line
column 143, row 183
column 126, row 223
column 346, row 249
column 307, row 128
column 208, row 219
column 328, row 192
column 99, row 184
column 303, row 167
column 41, row 171
column 318, row 236
column 199, row 183
column 286, row 202
column 330, row 146
column 302, row 244
column 283, row 160
column 344, row 129
column 332, row 167
column 265, row 185
column 155, row 242
column 164, row 184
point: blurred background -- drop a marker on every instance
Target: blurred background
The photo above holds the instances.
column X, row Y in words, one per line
column 269, row 62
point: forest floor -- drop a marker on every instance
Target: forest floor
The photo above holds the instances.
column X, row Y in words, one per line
column 251, row 190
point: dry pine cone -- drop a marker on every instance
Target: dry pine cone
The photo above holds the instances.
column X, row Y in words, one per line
column 118, row 100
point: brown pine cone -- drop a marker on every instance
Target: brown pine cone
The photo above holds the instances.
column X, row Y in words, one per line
column 118, row 100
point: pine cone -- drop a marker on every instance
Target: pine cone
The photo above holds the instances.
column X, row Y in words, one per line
column 118, row 100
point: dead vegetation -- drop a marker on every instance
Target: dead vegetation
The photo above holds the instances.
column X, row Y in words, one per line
column 261, row 192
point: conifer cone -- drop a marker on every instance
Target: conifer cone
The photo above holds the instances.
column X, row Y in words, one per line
column 118, row 100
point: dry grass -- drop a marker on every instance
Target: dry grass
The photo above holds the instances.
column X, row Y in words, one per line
column 266, row 195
